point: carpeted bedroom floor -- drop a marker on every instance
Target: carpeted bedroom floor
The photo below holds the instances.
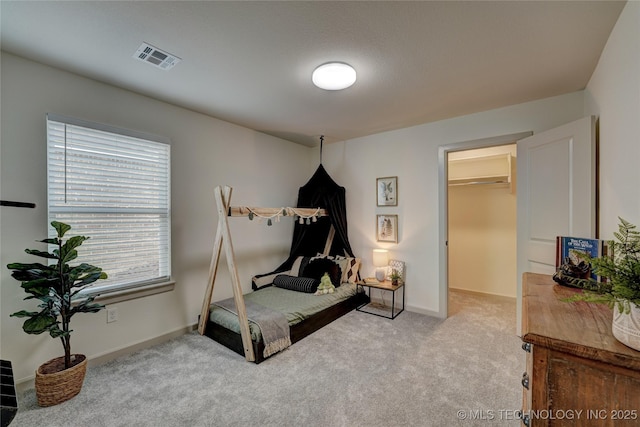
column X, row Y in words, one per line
column 360, row 370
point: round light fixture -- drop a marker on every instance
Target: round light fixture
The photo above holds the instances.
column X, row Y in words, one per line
column 334, row 76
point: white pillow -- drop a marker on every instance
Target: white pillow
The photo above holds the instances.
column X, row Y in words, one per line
column 295, row 267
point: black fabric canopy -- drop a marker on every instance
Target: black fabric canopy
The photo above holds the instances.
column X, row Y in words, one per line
column 309, row 240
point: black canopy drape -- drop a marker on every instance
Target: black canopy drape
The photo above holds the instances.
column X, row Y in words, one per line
column 309, row 240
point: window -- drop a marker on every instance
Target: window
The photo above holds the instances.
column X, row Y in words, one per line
column 113, row 186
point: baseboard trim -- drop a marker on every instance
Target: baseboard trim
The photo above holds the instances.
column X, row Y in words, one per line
column 424, row 311
column 484, row 294
column 108, row 356
column 27, row 383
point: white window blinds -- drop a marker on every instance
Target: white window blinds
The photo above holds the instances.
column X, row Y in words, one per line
column 113, row 186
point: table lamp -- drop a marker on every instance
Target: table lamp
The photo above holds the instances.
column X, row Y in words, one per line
column 381, row 260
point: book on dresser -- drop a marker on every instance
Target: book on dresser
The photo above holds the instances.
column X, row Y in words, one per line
column 567, row 254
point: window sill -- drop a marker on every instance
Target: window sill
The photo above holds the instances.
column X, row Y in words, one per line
column 134, row 293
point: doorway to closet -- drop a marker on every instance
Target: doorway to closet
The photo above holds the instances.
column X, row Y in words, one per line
column 482, row 238
column 480, row 254
column 557, row 196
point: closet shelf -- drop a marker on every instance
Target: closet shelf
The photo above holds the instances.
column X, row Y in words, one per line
column 494, row 169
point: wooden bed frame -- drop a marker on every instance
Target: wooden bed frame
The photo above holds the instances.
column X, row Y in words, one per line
column 233, row 340
column 223, row 241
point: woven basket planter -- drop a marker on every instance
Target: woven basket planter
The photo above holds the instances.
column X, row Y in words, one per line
column 54, row 384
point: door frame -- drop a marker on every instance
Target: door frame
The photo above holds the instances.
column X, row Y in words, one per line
column 443, row 201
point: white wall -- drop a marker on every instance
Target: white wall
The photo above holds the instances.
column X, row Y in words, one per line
column 613, row 94
column 205, row 152
column 412, row 155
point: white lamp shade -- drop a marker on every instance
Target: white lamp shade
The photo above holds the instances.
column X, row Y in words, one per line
column 380, row 257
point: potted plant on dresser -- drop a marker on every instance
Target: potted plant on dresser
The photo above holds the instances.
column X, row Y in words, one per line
column 56, row 285
column 620, row 287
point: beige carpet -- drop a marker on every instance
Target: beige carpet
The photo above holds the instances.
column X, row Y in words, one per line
column 360, row 370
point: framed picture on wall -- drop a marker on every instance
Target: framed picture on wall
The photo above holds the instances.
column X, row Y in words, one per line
column 387, row 228
column 387, row 191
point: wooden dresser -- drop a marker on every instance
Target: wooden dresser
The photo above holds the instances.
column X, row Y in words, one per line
column 577, row 373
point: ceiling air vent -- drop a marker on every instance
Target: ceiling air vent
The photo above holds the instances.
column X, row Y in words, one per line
column 156, row 57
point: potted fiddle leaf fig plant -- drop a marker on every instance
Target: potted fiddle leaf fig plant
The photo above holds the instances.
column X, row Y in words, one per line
column 619, row 287
column 55, row 284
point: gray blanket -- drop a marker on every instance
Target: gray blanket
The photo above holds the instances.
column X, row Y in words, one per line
column 273, row 325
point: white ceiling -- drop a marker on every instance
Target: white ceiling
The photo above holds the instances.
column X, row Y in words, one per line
column 250, row 63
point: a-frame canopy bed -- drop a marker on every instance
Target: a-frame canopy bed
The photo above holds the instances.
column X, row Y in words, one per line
column 285, row 305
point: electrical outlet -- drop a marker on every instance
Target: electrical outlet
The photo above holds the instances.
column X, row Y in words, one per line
column 112, row 314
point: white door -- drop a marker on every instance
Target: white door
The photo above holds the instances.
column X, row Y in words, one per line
column 556, row 187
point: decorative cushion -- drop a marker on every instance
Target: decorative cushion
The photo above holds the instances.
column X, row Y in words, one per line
column 265, row 280
column 341, row 261
column 318, row 266
column 299, row 265
column 350, row 270
column 295, row 267
column 293, row 283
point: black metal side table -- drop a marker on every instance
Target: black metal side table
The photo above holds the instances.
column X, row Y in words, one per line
column 376, row 308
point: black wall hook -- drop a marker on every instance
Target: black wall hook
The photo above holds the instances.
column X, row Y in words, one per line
column 17, row 204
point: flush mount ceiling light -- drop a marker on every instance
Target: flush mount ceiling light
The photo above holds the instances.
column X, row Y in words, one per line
column 334, row 76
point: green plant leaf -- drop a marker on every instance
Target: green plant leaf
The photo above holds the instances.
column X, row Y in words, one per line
column 86, row 280
column 29, row 275
column 24, row 313
column 29, row 266
column 40, row 287
column 87, row 307
column 39, row 323
column 69, row 247
column 61, row 228
column 68, row 250
column 81, row 269
column 42, row 254
column 54, row 241
column 69, row 256
column 56, row 332
column 34, row 273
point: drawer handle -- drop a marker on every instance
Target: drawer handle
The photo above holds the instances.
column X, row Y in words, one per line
column 524, row 417
column 526, row 346
column 525, row 380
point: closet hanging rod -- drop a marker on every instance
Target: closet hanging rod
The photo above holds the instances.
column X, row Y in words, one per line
column 477, row 183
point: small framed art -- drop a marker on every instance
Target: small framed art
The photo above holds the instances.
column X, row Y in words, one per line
column 387, row 228
column 387, row 191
